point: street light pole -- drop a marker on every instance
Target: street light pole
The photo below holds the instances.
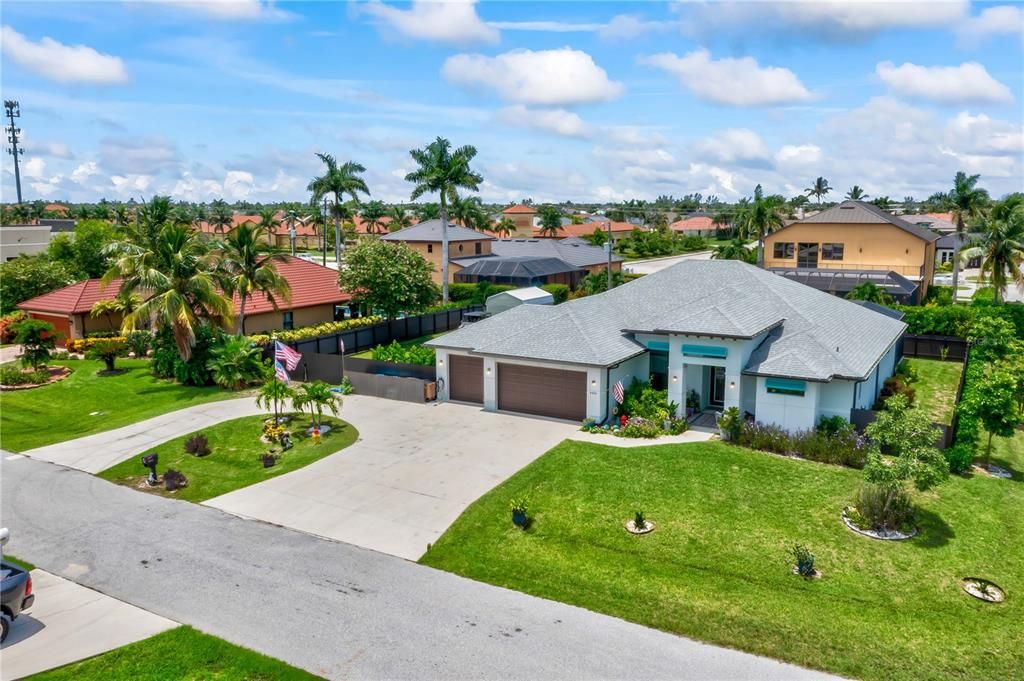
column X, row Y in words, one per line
column 610, row 244
column 12, row 110
column 325, row 234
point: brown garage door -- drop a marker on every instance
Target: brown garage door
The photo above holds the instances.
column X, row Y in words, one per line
column 545, row 392
column 466, row 378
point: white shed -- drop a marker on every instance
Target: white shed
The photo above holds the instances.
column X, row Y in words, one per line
column 506, row 300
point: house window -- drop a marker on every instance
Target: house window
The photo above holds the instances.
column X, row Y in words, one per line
column 785, row 386
column 289, row 321
column 478, row 248
column 430, row 248
column 807, row 255
column 713, row 351
column 460, row 248
column 832, row 251
column 784, row 250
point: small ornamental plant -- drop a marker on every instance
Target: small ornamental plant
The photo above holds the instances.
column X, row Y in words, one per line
column 174, row 480
column 639, row 520
column 804, row 560
column 519, row 508
column 197, row 445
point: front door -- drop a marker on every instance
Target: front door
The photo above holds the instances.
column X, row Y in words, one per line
column 807, row 255
column 717, row 391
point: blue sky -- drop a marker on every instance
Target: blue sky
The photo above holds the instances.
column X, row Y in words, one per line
column 578, row 100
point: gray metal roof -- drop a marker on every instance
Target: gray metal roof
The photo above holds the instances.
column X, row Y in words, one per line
column 812, row 335
column 579, row 253
column 520, row 266
column 844, row 281
column 430, row 230
column 862, row 213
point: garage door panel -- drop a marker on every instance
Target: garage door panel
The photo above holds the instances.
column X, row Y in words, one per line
column 544, row 391
column 466, row 379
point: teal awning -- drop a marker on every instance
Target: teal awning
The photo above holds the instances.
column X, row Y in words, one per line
column 715, row 351
column 785, row 386
column 657, row 345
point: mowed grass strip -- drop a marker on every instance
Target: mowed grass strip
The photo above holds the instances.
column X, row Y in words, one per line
column 235, row 460
column 63, row 410
column 935, row 388
column 178, row 655
column 717, row 566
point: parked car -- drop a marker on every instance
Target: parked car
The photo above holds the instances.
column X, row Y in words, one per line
column 15, row 591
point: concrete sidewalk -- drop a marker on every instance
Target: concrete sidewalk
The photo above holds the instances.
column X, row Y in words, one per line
column 94, row 453
column 69, row 622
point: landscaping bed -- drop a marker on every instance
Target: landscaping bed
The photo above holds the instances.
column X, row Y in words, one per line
column 86, row 403
column 235, row 458
column 177, row 655
column 718, row 567
column 402, row 352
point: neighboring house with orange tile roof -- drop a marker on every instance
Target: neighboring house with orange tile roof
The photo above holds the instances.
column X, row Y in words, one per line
column 315, row 298
column 619, row 230
column 695, row 224
column 522, row 217
column 58, row 208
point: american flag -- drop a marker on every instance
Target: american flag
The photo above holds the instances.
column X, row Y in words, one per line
column 287, row 355
column 618, row 392
column 279, row 372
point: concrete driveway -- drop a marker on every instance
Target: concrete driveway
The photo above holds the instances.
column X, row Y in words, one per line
column 413, row 470
column 69, row 622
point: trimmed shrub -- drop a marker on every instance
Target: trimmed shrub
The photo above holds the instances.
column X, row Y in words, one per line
column 396, row 353
column 103, row 334
column 461, row 292
column 83, row 345
column 881, row 509
column 11, row 376
column 310, row 332
column 895, row 385
column 6, row 324
column 197, row 445
column 842, row 448
column 139, row 342
column 560, row 292
column 167, row 363
column 107, row 350
column 646, row 402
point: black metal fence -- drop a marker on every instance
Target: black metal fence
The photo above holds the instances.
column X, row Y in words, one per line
column 935, row 347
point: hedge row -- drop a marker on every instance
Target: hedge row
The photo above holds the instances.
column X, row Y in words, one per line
column 957, row 320
column 968, row 428
column 84, row 344
column 310, row 332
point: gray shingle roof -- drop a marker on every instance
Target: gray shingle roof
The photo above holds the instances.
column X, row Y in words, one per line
column 813, row 335
column 578, row 253
column 430, row 230
column 861, row 213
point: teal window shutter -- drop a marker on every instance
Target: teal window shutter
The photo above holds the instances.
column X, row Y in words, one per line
column 785, row 386
column 713, row 351
column 657, row 345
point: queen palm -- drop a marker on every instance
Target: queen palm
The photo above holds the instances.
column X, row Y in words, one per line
column 397, row 218
column 269, row 221
column 273, row 393
column 338, row 180
column 221, row 217
column 760, row 218
column 175, row 278
column 444, row 172
column 373, row 215
column 965, row 201
column 819, row 189
column 245, row 268
column 1001, row 249
column 550, row 221
column 318, row 397
column 505, row 227
column 856, row 193
column 123, row 304
column 428, row 211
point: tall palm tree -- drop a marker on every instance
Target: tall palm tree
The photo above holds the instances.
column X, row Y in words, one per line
column 373, row 215
column 150, row 220
column 760, row 218
column 1001, row 249
column 398, row 218
column 444, row 172
column 470, row 213
column 428, row 211
column 550, row 221
column 505, row 227
column 338, row 180
column 269, row 221
column 965, row 201
column 819, row 189
column 221, row 217
column 856, row 193
column 175, row 278
column 245, row 267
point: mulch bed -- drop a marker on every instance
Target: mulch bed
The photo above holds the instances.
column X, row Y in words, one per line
column 56, row 374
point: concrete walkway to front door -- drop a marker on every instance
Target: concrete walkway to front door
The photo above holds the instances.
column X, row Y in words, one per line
column 414, row 469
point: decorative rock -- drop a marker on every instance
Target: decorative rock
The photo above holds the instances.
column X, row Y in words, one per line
column 633, row 529
column 893, row 535
column 983, row 590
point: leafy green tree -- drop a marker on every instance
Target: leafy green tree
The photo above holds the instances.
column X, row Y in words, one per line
column 28, row 276
column 819, row 189
column 856, row 193
column 338, row 181
column 443, row 172
column 389, row 277
column 319, row 398
column 246, row 267
column 734, row 250
column 373, row 214
column 1001, row 249
column 274, row 393
column 236, row 363
column 994, row 401
column 991, row 337
column 107, row 350
column 871, row 292
column 428, row 211
column 550, row 221
column 760, row 217
column 397, row 218
column 598, row 237
column 37, row 340
column 883, row 202
column 597, row 282
column 966, row 201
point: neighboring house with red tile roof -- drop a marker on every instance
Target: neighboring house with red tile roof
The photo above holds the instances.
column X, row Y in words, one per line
column 57, row 208
column 522, row 217
column 695, row 224
column 620, row 230
column 315, row 297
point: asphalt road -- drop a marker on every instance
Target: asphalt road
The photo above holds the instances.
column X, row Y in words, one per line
column 332, row 608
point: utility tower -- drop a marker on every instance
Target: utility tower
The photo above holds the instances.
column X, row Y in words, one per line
column 12, row 111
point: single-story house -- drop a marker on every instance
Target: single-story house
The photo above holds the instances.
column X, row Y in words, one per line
column 732, row 333
column 619, row 230
column 506, row 300
column 315, row 298
column 696, row 224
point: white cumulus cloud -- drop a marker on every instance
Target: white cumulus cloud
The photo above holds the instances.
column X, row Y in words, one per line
column 992, row 21
column 561, row 77
column 731, row 81
column 968, row 82
column 60, row 62
column 446, row 22
column 739, row 146
column 558, row 121
column 229, row 10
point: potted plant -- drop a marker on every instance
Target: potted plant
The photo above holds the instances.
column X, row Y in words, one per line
column 730, row 424
column 804, row 561
column 692, row 403
column 519, row 508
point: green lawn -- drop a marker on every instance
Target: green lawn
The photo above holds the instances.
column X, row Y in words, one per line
column 235, row 459
column 717, row 569
column 181, row 654
column 64, row 410
column 23, row 564
column 368, row 354
column 935, row 388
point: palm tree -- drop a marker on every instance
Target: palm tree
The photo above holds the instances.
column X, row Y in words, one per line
column 397, row 218
column 176, row 281
column 733, row 250
column 428, row 211
column 373, row 215
column 125, row 303
column 274, row 392
column 269, row 221
column 150, row 220
column 104, row 308
column 856, row 193
column 965, row 201
column 121, row 215
column 870, row 292
column 236, row 363
column 246, row 267
column 338, row 180
column 722, row 220
column 883, row 202
column 550, row 221
column 469, row 212
column 444, row 172
column 819, row 189
column 505, row 227
column 1001, row 248
column 318, row 397
column 760, row 218
column 221, row 217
